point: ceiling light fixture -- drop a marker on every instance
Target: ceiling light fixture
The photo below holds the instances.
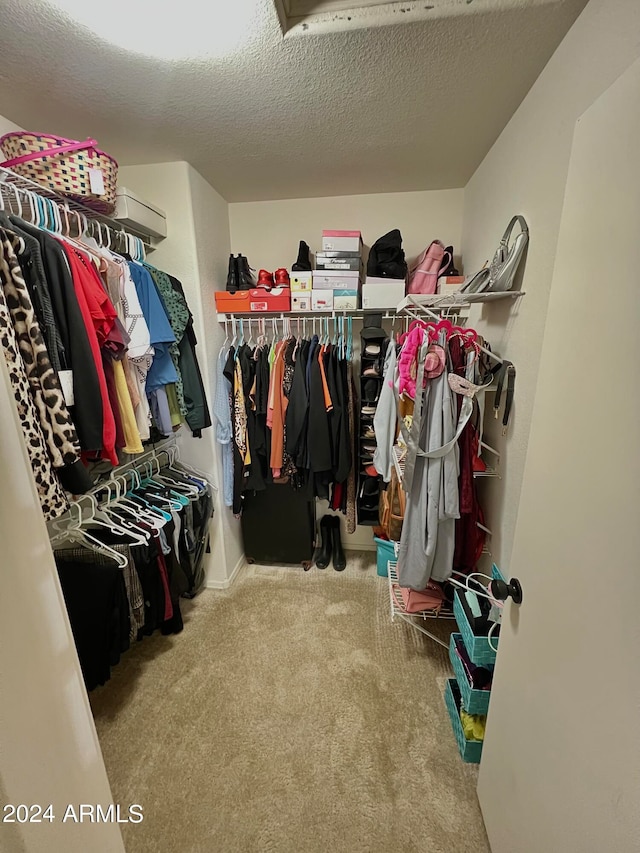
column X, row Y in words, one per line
column 188, row 29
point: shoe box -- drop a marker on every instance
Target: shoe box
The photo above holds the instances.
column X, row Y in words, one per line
column 382, row 292
column 300, row 301
column 345, row 300
column 336, row 279
column 300, row 281
column 342, row 241
column 322, row 299
column 278, row 299
column 258, row 299
column 451, row 283
column 339, row 261
column 232, row 303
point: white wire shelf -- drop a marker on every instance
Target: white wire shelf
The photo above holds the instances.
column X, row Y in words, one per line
column 399, row 461
column 398, row 609
column 27, row 186
column 356, row 313
column 454, row 301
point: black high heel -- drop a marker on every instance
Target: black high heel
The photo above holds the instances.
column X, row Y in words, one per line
column 324, row 557
column 339, row 559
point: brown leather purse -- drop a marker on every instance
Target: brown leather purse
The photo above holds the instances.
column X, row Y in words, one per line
column 392, row 508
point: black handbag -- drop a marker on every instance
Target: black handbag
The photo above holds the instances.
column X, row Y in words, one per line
column 386, row 258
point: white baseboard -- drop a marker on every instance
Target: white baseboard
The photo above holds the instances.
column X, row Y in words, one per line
column 225, row 584
column 365, row 546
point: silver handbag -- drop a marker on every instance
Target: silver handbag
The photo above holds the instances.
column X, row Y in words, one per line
column 500, row 274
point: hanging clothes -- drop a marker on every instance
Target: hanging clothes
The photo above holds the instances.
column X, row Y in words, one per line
column 97, row 319
column 224, row 430
column 76, row 354
column 293, row 418
column 52, row 498
column 198, row 416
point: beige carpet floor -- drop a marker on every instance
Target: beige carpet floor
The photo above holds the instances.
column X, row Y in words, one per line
column 290, row 716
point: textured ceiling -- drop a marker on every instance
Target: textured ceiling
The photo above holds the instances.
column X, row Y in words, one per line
column 394, row 108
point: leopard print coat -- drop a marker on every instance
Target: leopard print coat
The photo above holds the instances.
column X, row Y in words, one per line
column 49, row 432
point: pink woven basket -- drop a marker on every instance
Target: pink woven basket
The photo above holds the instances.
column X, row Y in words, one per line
column 78, row 170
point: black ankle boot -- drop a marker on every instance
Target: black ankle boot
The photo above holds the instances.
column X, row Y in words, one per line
column 339, row 559
column 245, row 278
column 304, row 258
column 324, row 557
column 233, row 282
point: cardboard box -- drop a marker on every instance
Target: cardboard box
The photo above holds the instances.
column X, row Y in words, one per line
column 341, row 241
column 301, row 301
column 336, row 279
column 338, row 261
column 232, row 303
column 139, row 214
column 300, row 281
column 278, row 299
column 451, row 283
column 385, row 294
column 345, row 300
column 322, row 300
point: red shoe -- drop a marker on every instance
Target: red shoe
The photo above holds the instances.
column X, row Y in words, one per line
column 265, row 279
column 282, row 277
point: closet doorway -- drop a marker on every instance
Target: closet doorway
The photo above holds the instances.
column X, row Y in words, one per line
column 560, row 731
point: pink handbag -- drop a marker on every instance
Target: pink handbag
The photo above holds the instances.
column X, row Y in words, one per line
column 431, row 598
column 423, row 276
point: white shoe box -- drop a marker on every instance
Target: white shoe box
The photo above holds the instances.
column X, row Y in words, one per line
column 300, row 281
column 321, row 300
column 385, row 293
column 336, row 279
column 451, row 283
column 345, row 300
column 301, row 301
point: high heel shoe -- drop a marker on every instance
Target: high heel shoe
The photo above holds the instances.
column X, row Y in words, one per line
column 339, row 559
column 324, row 557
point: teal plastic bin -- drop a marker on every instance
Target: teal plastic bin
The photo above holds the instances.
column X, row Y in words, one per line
column 386, row 552
column 470, row 750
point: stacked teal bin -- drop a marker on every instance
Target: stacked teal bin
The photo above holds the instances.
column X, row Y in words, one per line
column 459, row 691
column 386, row 551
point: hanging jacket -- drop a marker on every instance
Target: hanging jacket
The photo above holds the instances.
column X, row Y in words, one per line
column 198, row 416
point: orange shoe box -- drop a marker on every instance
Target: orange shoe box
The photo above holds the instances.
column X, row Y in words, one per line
column 232, row 303
column 259, row 299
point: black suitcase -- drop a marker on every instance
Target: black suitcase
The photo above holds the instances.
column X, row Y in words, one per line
column 278, row 526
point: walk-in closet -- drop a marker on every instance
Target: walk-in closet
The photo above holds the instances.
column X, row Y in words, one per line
column 315, row 318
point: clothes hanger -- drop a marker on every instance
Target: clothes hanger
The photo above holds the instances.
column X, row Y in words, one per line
column 176, row 461
column 176, row 503
column 98, row 518
column 18, row 200
column 74, row 532
column 154, row 518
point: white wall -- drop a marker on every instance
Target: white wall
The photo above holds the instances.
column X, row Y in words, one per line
column 195, row 251
column 560, row 763
column 49, row 751
column 7, row 126
column 526, row 172
column 268, row 232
